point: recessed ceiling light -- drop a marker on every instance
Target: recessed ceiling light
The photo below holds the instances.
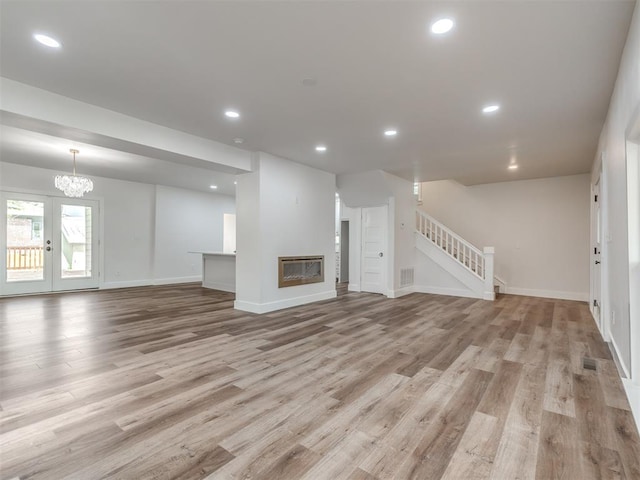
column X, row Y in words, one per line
column 235, row 182
column 513, row 167
column 391, row 132
column 321, row 148
column 238, row 140
column 442, row 26
column 213, row 187
column 232, row 114
column 491, row 108
column 47, row 40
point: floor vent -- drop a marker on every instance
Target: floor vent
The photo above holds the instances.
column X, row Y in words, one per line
column 406, row 277
column 588, row 363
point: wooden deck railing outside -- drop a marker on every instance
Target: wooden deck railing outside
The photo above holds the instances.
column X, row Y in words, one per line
column 24, row 258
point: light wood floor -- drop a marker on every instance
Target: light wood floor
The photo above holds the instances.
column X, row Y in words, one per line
column 171, row 382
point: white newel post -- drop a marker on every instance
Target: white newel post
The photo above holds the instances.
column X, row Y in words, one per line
column 489, row 293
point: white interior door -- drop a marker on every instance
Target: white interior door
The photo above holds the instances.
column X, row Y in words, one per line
column 47, row 243
column 374, row 250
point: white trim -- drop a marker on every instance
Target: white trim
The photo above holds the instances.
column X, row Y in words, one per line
column 170, row 280
column 625, row 368
column 489, row 296
column 126, row 284
column 401, row 292
column 530, row 292
column 280, row 304
column 224, row 287
column 633, row 395
column 453, row 292
column 353, row 287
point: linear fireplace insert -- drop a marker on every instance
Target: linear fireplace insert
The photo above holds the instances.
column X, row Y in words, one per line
column 300, row 270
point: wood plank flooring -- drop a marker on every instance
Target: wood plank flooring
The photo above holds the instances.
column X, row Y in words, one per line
column 171, row 383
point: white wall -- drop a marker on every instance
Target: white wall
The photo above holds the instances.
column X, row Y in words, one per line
column 134, row 227
column 539, row 228
column 187, row 221
column 367, row 189
column 624, row 101
column 290, row 213
column 432, row 278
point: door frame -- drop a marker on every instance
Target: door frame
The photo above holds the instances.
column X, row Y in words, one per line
column 604, row 322
column 54, row 195
column 596, row 301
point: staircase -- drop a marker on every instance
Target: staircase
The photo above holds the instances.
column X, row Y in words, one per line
column 462, row 260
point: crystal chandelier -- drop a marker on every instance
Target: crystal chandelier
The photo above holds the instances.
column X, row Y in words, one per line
column 73, row 185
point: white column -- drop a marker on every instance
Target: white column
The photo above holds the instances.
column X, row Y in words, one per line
column 489, row 293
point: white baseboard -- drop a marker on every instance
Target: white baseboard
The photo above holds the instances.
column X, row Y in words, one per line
column 578, row 296
column 170, row 280
column 633, row 394
column 454, row 292
column 401, row 292
column 224, row 287
column 625, row 368
column 126, row 284
column 280, row 304
column 149, row 282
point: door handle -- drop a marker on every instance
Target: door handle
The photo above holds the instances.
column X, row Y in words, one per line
column 48, row 249
column 597, row 262
column 380, row 254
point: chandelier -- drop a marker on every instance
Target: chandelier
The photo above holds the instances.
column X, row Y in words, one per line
column 73, row 185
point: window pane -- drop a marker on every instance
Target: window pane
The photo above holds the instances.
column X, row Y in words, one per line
column 25, row 241
column 75, row 241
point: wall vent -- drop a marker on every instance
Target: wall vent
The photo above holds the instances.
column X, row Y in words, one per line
column 406, row 277
column 588, row 363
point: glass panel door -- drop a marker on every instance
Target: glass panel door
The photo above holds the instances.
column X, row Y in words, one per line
column 26, row 238
column 76, row 236
column 47, row 243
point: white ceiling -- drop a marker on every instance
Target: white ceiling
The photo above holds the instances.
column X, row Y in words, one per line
column 550, row 65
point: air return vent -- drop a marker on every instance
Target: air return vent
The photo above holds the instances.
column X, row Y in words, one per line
column 589, row 363
column 406, row 277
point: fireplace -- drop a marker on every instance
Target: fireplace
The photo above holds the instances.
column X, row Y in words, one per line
column 300, row 270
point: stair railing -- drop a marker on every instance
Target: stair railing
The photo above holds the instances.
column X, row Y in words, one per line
column 469, row 256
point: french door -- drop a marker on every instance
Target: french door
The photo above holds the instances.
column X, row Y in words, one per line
column 47, row 243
